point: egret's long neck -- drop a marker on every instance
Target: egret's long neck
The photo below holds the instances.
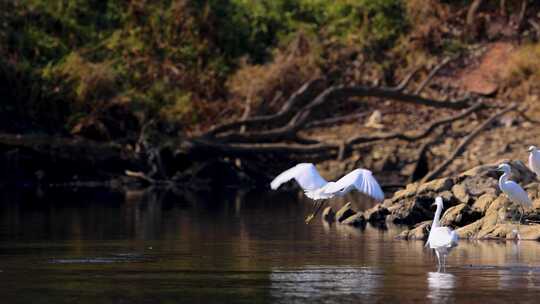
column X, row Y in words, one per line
column 437, row 217
column 503, row 179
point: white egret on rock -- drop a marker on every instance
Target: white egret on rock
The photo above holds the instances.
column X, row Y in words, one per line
column 534, row 160
column 317, row 188
column 514, row 191
column 441, row 239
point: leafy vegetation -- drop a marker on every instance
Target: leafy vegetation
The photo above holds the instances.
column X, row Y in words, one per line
column 184, row 62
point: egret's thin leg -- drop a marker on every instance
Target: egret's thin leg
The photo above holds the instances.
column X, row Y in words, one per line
column 317, row 208
column 518, row 236
column 444, row 262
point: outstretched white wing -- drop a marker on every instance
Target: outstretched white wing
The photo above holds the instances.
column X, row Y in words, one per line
column 362, row 180
column 305, row 174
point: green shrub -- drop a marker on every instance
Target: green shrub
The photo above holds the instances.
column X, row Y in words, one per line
column 172, row 56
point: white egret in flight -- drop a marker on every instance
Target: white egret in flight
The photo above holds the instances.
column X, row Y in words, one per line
column 514, row 191
column 317, row 188
column 441, row 239
column 534, row 160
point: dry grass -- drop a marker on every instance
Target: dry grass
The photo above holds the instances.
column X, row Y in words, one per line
column 290, row 68
column 521, row 82
column 524, row 65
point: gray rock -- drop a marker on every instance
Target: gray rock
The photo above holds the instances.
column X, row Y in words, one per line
column 344, row 212
column 500, row 202
column 460, row 192
column 448, row 197
column 459, row 216
column 482, row 203
column 438, row 185
column 419, row 232
column 412, row 211
column 409, row 191
column 474, row 201
column 521, row 173
column 481, row 184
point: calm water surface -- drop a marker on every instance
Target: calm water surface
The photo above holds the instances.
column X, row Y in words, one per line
column 134, row 247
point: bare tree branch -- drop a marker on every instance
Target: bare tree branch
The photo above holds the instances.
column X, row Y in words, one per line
column 304, row 94
column 333, row 120
column 405, row 82
column 521, row 16
column 207, row 147
column 336, row 120
column 465, row 142
column 471, row 13
column 412, row 136
column 535, row 26
column 331, row 94
column 432, row 74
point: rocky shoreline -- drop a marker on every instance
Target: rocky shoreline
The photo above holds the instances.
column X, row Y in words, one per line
column 474, row 206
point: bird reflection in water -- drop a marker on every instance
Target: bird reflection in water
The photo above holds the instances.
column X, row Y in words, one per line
column 441, row 286
column 324, row 283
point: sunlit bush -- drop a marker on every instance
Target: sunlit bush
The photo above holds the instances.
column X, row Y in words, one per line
column 524, row 64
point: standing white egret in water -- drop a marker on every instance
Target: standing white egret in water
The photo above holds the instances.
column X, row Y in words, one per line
column 514, row 191
column 441, row 239
column 534, row 160
column 317, row 188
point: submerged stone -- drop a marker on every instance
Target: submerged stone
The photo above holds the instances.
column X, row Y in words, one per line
column 328, row 214
column 420, row 232
column 345, row 212
column 356, row 220
column 376, row 214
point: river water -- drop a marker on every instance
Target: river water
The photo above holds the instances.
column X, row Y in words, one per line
column 156, row 247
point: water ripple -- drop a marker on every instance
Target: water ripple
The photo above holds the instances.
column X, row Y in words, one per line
column 116, row 258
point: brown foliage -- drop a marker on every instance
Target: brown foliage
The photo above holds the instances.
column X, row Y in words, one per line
column 429, row 22
column 259, row 85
